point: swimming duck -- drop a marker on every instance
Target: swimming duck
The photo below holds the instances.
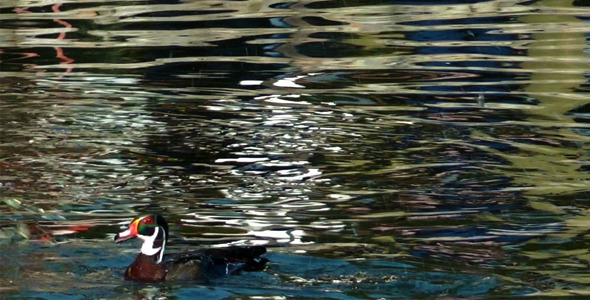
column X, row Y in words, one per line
column 151, row 265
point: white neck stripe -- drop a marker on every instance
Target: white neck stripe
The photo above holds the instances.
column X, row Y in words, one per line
column 148, row 245
column 163, row 246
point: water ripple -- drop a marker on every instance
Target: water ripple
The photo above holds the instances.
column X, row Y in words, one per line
column 433, row 148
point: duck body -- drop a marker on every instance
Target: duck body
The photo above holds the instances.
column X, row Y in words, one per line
column 146, row 269
column 151, row 265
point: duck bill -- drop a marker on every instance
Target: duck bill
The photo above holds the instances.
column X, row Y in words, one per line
column 128, row 234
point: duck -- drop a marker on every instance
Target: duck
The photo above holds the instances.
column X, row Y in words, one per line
column 152, row 265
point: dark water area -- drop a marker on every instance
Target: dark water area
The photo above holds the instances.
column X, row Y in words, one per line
column 379, row 149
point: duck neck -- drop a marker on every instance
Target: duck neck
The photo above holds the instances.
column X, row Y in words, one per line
column 155, row 244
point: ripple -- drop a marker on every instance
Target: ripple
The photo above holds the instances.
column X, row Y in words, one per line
column 415, row 145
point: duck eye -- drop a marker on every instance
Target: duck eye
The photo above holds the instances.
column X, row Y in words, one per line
column 148, row 220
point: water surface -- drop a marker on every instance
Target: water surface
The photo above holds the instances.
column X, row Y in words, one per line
column 380, row 149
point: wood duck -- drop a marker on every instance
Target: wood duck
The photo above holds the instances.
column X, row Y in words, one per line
column 151, row 265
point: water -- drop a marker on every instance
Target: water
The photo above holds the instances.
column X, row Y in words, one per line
column 380, row 149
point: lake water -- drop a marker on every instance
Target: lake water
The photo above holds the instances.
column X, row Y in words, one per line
column 379, row 149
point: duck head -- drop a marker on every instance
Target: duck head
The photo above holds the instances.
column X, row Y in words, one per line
column 152, row 229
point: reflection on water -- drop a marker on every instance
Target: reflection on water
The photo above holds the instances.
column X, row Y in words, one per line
column 380, row 149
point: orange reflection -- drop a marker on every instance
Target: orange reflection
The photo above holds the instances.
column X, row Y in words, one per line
column 60, row 53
